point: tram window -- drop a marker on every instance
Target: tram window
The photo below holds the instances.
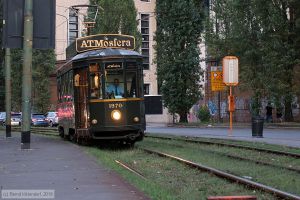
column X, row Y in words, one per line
column 95, row 85
column 131, row 82
column 76, row 80
column 114, row 81
column 146, row 89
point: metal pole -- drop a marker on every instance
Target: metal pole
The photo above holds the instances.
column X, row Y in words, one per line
column 8, row 91
column 27, row 75
column 219, row 106
column 230, row 113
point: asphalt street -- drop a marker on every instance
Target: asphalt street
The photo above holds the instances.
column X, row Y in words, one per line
column 287, row 137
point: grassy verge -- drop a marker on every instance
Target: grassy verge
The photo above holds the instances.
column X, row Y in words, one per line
column 275, row 177
column 167, row 179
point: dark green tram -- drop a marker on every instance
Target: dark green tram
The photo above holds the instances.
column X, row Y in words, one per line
column 100, row 95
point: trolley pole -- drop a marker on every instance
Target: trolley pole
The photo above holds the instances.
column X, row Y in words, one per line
column 27, row 74
column 8, row 92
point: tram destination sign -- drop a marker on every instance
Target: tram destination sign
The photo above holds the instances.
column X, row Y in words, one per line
column 113, row 65
column 103, row 41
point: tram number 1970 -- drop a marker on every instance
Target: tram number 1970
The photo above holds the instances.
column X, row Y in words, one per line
column 115, row 105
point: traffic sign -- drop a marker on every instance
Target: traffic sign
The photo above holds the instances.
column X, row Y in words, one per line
column 216, row 78
column 230, row 70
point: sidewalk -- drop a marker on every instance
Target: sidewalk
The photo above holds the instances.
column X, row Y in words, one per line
column 53, row 164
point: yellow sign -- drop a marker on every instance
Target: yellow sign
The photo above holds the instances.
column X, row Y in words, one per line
column 216, row 80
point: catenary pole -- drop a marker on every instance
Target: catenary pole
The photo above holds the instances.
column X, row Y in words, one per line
column 8, row 91
column 27, row 74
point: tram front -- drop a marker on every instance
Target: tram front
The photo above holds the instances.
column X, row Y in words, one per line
column 116, row 103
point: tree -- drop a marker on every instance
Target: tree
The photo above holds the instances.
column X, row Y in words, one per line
column 43, row 65
column 260, row 34
column 179, row 26
column 16, row 77
column 118, row 17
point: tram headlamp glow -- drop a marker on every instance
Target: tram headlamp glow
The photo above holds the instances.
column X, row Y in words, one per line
column 136, row 119
column 116, row 115
column 94, row 121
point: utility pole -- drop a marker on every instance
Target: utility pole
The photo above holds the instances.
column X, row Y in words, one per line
column 8, row 91
column 27, row 74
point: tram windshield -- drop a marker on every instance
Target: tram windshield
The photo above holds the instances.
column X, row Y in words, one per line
column 114, row 82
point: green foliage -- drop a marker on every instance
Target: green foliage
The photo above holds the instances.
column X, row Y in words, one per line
column 16, row 79
column 42, row 66
column 177, row 54
column 262, row 35
column 118, row 17
column 203, row 114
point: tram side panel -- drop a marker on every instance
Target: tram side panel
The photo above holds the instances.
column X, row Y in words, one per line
column 65, row 107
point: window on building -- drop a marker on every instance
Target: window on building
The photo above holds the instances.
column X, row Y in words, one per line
column 158, row 88
column 73, row 25
column 146, row 89
column 145, row 40
column 146, row 0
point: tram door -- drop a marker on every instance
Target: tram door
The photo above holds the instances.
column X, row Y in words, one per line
column 81, row 95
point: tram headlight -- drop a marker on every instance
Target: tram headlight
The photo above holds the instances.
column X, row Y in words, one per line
column 136, row 119
column 94, row 121
column 116, row 115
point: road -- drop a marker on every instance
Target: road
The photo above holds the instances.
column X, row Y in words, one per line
column 287, row 137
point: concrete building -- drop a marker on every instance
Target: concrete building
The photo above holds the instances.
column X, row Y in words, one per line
column 69, row 25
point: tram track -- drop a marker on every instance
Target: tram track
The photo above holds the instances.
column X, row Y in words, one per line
column 225, row 175
column 277, row 152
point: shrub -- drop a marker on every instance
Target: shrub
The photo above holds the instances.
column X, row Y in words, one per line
column 203, row 114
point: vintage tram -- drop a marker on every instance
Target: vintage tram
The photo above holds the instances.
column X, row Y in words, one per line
column 100, row 91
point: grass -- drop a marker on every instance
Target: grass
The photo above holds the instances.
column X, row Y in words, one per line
column 274, row 159
column 278, row 178
column 168, row 179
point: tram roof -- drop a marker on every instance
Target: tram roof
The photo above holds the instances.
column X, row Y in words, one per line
column 101, row 53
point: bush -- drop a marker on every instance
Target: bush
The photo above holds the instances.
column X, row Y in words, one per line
column 203, row 114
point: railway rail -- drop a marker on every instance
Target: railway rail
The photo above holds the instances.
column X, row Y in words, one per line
column 290, row 154
column 227, row 176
